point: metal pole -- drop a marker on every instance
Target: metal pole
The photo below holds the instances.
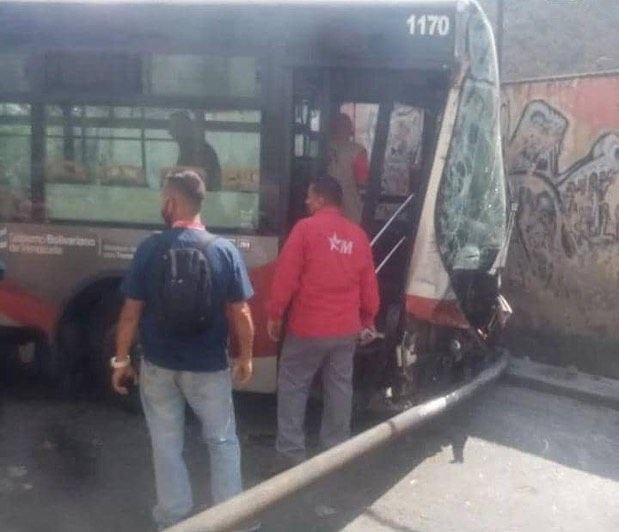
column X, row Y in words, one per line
column 246, row 505
column 396, row 247
column 393, row 217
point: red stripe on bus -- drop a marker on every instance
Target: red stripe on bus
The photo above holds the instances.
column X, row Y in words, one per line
column 26, row 309
column 437, row 311
column 262, row 278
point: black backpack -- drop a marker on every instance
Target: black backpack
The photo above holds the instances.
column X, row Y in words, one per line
column 183, row 300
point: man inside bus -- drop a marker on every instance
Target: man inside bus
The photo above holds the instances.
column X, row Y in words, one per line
column 325, row 273
column 193, row 150
column 180, row 368
column 348, row 163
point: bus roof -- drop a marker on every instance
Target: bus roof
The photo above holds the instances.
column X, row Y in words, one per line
column 313, row 3
column 340, row 33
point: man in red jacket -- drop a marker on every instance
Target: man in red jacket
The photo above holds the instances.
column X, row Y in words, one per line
column 325, row 273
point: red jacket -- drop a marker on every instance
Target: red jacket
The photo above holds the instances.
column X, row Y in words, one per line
column 326, row 270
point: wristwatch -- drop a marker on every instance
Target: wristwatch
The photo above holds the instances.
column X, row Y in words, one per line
column 118, row 364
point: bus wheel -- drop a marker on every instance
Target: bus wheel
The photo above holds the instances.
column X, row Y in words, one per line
column 8, row 356
column 103, row 326
column 66, row 366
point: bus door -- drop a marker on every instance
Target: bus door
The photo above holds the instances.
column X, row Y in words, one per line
column 394, row 116
column 309, row 143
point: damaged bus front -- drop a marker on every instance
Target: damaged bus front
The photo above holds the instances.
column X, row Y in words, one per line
column 448, row 325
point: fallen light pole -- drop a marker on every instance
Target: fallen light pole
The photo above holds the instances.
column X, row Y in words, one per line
column 227, row 515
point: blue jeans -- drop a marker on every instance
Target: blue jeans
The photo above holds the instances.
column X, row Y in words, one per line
column 209, row 394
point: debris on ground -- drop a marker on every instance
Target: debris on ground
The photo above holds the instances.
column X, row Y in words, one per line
column 17, row 471
column 323, row 511
column 48, row 445
column 6, row 486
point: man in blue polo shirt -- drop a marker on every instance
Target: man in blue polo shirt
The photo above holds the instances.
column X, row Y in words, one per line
column 193, row 368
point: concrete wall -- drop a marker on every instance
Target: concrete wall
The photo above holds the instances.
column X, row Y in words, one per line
column 554, row 37
column 562, row 161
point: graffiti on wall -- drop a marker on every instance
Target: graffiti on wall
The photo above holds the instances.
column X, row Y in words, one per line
column 562, row 160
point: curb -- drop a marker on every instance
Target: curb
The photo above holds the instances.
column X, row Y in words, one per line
column 563, row 381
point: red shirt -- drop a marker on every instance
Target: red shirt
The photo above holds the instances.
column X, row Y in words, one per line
column 326, row 272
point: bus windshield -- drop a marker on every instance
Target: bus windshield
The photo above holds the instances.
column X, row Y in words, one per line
column 471, row 218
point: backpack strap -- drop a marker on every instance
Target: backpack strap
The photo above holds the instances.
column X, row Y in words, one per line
column 205, row 239
column 164, row 242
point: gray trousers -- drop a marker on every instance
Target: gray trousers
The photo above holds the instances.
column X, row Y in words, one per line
column 300, row 360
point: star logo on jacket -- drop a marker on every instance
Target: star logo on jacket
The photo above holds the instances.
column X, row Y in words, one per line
column 340, row 245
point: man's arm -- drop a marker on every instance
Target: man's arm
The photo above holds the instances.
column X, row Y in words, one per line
column 285, row 280
column 126, row 332
column 210, row 162
column 127, row 327
column 134, row 288
column 239, row 291
column 242, row 326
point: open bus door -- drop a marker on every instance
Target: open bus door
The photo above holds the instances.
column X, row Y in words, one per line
column 395, row 115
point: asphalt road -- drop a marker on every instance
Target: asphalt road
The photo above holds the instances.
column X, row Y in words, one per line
column 510, row 459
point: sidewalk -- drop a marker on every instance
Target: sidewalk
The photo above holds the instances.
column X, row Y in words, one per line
column 563, row 381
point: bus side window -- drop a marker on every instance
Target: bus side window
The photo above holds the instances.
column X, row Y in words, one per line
column 106, row 164
column 15, row 163
column 364, row 117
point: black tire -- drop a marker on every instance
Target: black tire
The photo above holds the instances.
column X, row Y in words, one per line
column 8, row 356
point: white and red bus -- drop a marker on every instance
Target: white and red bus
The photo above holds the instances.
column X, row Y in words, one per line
column 98, row 98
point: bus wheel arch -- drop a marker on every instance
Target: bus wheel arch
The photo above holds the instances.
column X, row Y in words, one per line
column 81, row 320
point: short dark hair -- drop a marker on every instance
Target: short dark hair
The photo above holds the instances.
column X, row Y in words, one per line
column 189, row 184
column 328, row 188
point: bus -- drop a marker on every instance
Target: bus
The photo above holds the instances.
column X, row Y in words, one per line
column 98, row 99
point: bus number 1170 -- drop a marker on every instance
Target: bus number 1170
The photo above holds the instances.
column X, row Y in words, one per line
column 429, row 25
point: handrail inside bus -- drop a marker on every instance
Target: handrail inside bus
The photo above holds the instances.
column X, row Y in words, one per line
column 389, row 255
column 393, row 217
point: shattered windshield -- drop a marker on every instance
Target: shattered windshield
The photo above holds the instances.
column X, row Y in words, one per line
column 471, row 209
